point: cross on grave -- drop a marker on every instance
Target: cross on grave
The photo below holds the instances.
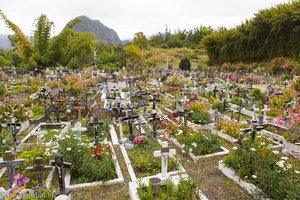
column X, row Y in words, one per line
column 79, row 129
column 139, row 124
column 238, row 92
column 184, row 114
column 9, row 162
column 247, row 102
column 154, row 119
column 13, row 127
column 265, row 113
column 62, row 94
column 79, row 109
column 254, row 128
column 39, row 134
column 286, row 82
column 96, row 124
column 177, row 104
column 39, row 168
column 164, row 153
column 239, row 109
column 255, row 109
column 224, row 105
column 215, row 90
column 154, row 100
column 143, row 104
column 221, row 95
column 60, row 165
column 114, row 90
column 130, row 120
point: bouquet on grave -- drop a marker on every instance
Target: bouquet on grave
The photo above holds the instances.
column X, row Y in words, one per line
column 19, row 183
column 139, row 140
column 102, row 151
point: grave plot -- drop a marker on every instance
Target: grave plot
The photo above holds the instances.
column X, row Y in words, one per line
column 262, row 171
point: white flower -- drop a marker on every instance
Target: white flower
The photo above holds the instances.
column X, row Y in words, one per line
column 297, row 172
column 68, row 149
column 67, row 136
column 54, row 151
column 190, row 150
column 194, row 144
column 284, row 158
column 253, row 149
column 183, row 145
column 275, row 152
column 262, row 143
column 258, row 136
column 246, row 176
column 180, row 132
column 280, row 163
column 289, row 166
column 253, row 176
column 234, row 148
column 79, row 150
column 183, row 151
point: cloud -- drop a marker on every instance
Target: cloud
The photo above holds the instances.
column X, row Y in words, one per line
column 131, row 16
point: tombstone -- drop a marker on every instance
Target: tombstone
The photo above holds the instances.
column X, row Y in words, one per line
column 60, row 165
column 96, row 124
column 164, row 153
column 130, row 120
column 215, row 90
column 79, row 129
column 39, row 168
column 9, row 162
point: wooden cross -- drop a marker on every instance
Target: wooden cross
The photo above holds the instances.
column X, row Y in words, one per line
column 39, row 168
column 96, row 124
column 130, row 120
column 9, row 162
column 164, row 153
column 60, row 165
column 79, row 109
column 13, row 127
column 154, row 119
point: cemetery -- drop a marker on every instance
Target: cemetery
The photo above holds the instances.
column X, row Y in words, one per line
column 81, row 118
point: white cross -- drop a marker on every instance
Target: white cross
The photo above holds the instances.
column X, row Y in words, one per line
column 254, row 112
column 40, row 134
column 78, row 128
column 164, row 153
column 265, row 112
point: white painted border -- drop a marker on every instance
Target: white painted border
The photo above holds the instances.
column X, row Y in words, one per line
column 196, row 158
column 120, row 178
column 224, row 136
column 230, row 173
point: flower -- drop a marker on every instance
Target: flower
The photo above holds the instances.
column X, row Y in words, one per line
column 254, row 176
column 139, row 140
column 68, row 149
column 234, row 148
column 280, row 163
column 253, row 149
column 297, row 172
column 275, row 152
column 246, row 176
column 190, row 150
column 284, row 158
column 183, row 145
column 289, row 166
column 194, row 144
column 262, row 143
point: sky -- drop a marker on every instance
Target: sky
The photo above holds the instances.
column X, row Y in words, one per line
column 127, row 17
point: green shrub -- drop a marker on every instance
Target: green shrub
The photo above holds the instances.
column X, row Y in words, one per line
column 2, row 90
column 256, row 93
column 185, row 64
column 202, row 117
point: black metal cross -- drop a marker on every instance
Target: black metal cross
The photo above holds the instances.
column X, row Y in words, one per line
column 114, row 90
column 184, row 114
column 154, row 120
column 13, row 127
column 39, row 168
column 224, row 105
column 60, row 165
column 215, row 90
column 9, row 162
column 130, row 119
column 154, row 100
column 96, row 124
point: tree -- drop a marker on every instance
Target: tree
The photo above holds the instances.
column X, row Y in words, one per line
column 134, row 55
column 140, row 40
column 185, row 64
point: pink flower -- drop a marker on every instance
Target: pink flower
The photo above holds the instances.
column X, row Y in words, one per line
column 139, row 140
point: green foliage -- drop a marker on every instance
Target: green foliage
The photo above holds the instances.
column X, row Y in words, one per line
column 185, row 64
column 134, row 56
column 202, row 117
column 42, row 194
column 199, row 144
column 273, row 32
column 269, row 171
column 256, row 93
column 140, row 40
column 185, row 190
column 296, row 85
column 2, row 90
column 216, row 104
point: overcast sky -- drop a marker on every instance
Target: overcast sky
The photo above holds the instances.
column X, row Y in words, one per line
column 127, row 17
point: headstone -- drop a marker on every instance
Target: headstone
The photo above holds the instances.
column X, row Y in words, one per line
column 96, row 124
column 165, row 152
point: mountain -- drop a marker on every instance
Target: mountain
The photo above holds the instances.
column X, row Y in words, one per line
column 4, row 42
column 102, row 32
